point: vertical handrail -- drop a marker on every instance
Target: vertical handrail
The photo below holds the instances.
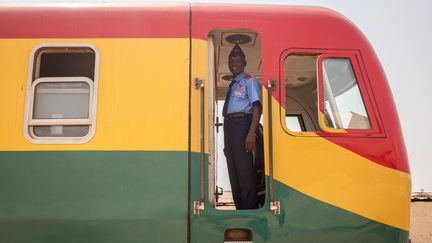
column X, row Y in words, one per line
column 274, row 205
column 202, row 143
column 199, row 206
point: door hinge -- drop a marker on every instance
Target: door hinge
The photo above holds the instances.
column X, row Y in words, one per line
column 199, row 83
column 198, row 207
column 275, row 207
column 271, row 84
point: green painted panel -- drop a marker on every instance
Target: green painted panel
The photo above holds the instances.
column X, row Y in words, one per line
column 93, row 196
column 133, row 196
column 303, row 219
column 106, row 231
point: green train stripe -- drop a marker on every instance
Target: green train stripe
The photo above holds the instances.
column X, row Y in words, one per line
column 302, row 219
column 93, row 196
column 310, row 220
column 141, row 196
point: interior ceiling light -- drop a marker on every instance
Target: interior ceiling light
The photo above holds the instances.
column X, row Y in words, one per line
column 238, row 38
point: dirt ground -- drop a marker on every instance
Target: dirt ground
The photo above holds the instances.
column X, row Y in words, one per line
column 421, row 222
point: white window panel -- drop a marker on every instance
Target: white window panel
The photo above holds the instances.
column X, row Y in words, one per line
column 51, row 99
column 60, row 107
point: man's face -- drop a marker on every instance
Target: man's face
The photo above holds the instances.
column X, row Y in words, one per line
column 236, row 64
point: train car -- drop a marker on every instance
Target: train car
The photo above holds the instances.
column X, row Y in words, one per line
column 110, row 126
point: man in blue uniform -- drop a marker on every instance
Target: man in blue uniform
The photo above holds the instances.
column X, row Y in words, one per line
column 242, row 112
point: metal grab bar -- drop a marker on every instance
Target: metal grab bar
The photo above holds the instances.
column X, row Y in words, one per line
column 274, row 205
column 199, row 205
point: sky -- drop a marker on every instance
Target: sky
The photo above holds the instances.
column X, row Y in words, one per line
column 400, row 32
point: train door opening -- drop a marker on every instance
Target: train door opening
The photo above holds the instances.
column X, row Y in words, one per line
column 221, row 42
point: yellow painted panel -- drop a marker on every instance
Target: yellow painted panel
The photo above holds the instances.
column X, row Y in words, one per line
column 338, row 176
column 142, row 96
column 199, row 71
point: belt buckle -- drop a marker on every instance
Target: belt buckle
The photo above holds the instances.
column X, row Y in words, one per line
column 236, row 115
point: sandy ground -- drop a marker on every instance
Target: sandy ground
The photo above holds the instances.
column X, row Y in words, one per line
column 421, row 222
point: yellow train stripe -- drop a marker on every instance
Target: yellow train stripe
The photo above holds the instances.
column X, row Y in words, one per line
column 340, row 177
column 142, row 96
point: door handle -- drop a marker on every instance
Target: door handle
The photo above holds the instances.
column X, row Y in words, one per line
column 199, row 205
column 274, row 205
column 218, row 124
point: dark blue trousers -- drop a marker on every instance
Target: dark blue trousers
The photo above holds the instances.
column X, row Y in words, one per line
column 241, row 170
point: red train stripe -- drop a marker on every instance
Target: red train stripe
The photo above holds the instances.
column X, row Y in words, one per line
column 152, row 21
column 382, row 151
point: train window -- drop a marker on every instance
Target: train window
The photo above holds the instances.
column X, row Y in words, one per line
column 343, row 104
column 300, row 76
column 61, row 100
column 65, row 62
column 295, row 122
column 325, row 92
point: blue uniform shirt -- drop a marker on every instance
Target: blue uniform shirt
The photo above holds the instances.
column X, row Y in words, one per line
column 244, row 92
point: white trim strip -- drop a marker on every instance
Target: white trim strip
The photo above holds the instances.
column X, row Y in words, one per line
column 53, row 122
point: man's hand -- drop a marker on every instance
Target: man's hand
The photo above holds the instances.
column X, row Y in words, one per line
column 250, row 139
column 250, row 142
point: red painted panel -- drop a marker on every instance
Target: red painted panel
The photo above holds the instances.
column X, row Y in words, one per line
column 385, row 151
column 389, row 151
column 92, row 21
column 282, row 28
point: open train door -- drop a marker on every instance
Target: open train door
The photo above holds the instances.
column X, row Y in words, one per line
column 213, row 216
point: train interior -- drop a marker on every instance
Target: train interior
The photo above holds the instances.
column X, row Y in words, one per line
column 300, row 81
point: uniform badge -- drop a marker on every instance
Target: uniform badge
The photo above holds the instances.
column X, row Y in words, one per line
column 237, row 92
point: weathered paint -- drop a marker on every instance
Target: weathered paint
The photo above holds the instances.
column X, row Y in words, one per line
column 303, row 219
column 136, row 96
column 332, row 188
column 93, row 196
column 112, row 196
column 85, row 21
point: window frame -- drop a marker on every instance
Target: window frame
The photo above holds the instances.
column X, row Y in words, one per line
column 300, row 120
column 34, row 80
column 363, row 94
column 363, row 85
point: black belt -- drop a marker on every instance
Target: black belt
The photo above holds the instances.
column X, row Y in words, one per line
column 237, row 115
